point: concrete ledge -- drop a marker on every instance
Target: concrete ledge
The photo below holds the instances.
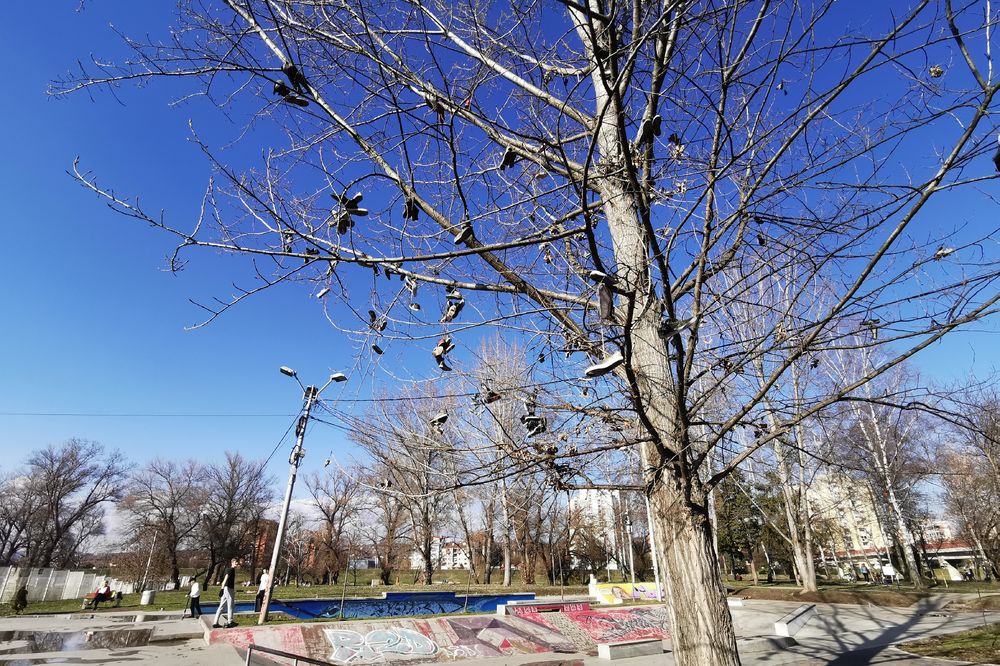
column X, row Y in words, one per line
column 764, row 644
column 626, row 649
column 528, row 607
column 790, row 624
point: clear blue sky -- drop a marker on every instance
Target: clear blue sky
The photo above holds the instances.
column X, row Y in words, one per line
column 93, row 325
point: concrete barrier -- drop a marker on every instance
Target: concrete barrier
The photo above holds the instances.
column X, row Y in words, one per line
column 790, row 624
column 626, row 649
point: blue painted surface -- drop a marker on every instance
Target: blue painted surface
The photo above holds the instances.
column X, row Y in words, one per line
column 395, row 604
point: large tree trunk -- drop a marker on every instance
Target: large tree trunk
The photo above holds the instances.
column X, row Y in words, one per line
column 702, row 627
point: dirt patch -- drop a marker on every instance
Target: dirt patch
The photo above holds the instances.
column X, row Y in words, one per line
column 986, row 603
column 887, row 598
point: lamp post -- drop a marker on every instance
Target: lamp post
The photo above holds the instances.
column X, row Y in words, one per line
column 631, row 559
column 310, row 395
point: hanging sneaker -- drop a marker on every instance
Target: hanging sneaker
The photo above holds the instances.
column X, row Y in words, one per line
column 323, row 292
column 411, row 285
column 439, row 419
column 377, row 349
column 411, row 210
column 295, row 76
column 943, row 252
column 281, row 89
column 508, row 159
column 607, row 365
column 600, row 277
column 464, row 234
column 606, row 301
column 451, row 311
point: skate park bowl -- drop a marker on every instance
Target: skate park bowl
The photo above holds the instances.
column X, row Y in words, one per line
column 391, row 604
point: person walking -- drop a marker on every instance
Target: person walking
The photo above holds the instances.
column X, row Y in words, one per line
column 265, row 579
column 195, row 595
column 226, row 595
column 20, row 600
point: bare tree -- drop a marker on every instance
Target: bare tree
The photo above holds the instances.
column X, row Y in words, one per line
column 166, row 497
column 407, row 438
column 72, row 484
column 605, row 182
column 972, row 481
column 387, row 532
column 17, row 513
column 886, row 446
column 238, row 492
column 337, row 496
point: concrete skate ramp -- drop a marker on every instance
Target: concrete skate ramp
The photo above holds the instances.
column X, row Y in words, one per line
column 449, row 638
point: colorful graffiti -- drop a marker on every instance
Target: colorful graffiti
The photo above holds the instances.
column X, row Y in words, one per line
column 533, row 608
column 374, row 646
column 392, row 604
column 615, row 593
column 443, row 639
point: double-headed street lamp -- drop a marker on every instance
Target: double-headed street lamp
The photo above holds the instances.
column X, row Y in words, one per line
column 310, row 394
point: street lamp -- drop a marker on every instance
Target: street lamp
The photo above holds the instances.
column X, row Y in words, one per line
column 310, row 395
column 631, row 560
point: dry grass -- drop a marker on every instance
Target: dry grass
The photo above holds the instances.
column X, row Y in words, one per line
column 979, row 646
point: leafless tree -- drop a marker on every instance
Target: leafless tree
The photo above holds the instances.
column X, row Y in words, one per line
column 17, row 512
column 886, row 445
column 604, row 182
column 238, row 492
column 406, row 436
column 71, row 484
column 387, row 532
column 167, row 498
column 971, row 469
column 337, row 496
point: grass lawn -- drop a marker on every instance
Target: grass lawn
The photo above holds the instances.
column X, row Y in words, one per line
column 980, row 646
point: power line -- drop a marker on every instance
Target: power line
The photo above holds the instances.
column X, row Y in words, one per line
column 143, row 415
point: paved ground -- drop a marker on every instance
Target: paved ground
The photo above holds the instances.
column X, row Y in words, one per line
column 841, row 635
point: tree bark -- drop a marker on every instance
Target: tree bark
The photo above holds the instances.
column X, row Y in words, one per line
column 702, row 627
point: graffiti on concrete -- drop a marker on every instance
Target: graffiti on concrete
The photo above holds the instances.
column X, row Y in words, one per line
column 535, row 608
column 378, row 644
column 431, row 640
column 406, row 604
column 615, row 593
column 626, row 624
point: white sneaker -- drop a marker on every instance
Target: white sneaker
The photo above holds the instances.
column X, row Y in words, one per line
column 605, row 366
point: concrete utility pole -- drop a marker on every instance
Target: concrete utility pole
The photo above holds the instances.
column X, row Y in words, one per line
column 631, row 559
column 311, row 394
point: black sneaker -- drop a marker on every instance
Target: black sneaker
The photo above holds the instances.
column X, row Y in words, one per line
column 216, row 626
column 231, row 625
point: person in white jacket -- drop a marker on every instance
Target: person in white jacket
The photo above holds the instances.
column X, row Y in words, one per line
column 261, row 590
column 195, row 595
